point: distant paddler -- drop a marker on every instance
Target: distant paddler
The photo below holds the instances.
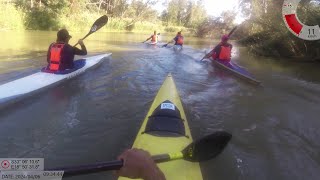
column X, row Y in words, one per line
column 179, row 39
column 153, row 37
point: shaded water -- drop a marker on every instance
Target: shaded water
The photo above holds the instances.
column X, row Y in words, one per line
column 97, row 115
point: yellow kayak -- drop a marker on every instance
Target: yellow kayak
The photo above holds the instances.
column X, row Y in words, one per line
column 165, row 130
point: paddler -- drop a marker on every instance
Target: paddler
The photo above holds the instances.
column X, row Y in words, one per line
column 223, row 50
column 154, row 38
column 138, row 163
column 60, row 54
column 178, row 40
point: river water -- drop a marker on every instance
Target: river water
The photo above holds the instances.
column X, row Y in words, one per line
column 97, row 115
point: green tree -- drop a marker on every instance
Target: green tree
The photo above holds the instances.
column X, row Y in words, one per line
column 139, row 10
column 10, row 16
column 42, row 14
column 266, row 33
column 176, row 12
column 185, row 13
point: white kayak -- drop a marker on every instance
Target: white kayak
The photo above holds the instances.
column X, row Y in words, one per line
column 18, row 89
column 152, row 43
column 177, row 47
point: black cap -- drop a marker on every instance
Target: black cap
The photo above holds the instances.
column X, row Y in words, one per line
column 63, row 34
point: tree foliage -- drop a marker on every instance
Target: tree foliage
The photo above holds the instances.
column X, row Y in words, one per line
column 184, row 13
column 264, row 30
column 48, row 14
column 215, row 26
column 42, row 14
column 266, row 33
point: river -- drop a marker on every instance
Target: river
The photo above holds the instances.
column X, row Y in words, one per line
column 97, row 115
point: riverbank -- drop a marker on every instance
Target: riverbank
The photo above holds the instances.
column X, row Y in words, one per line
column 14, row 19
column 266, row 34
column 280, row 43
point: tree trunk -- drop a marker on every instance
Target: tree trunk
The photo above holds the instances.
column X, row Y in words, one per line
column 100, row 5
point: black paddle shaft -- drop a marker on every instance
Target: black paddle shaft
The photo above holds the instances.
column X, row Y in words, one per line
column 90, row 168
column 231, row 32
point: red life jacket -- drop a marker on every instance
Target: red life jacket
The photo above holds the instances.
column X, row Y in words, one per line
column 225, row 53
column 55, row 56
column 214, row 55
column 154, row 38
column 180, row 40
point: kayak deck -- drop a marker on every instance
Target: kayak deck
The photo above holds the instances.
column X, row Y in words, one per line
column 236, row 70
column 165, row 130
column 15, row 90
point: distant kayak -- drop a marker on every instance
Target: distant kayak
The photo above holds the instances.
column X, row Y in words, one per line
column 16, row 90
column 152, row 43
column 165, row 129
column 177, row 47
column 235, row 70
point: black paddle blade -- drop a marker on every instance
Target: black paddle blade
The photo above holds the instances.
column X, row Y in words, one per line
column 99, row 23
column 207, row 147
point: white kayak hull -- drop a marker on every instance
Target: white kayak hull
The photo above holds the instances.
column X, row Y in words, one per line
column 152, row 43
column 16, row 90
column 177, row 48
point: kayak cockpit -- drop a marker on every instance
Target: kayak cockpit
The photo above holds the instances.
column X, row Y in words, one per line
column 77, row 65
column 166, row 121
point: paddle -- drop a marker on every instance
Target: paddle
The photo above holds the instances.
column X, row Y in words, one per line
column 230, row 33
column 99, row 23
column 165, row 45
column 202, row 149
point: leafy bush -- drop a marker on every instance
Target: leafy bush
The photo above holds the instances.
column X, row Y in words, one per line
column 39, row 19
column 10, row 17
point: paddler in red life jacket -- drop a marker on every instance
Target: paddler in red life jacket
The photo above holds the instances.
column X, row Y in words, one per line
column 154, row 37
column 60, row 54
column 223, row 50
column 178, row 40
